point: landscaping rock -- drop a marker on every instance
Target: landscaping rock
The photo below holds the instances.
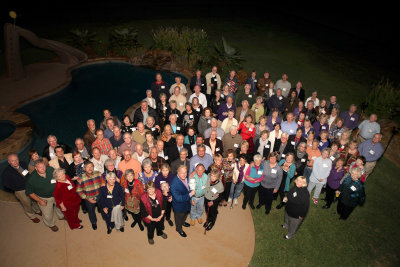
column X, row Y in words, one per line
column 393, row 151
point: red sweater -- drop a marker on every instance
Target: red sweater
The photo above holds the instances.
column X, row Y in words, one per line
column 66, row 193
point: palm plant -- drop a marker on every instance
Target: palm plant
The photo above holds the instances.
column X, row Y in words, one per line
column 82, row 38
column 125, row 39
column 226, row 57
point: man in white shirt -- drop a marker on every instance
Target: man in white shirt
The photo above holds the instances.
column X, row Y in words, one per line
column 181, row 86
column 213, row 82
column 98, row 160
column 139, row 154
column 202, row 98
column 283, row 84
column 179, row 98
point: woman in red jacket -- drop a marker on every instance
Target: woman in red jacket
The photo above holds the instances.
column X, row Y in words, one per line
column 152, row 209
column 67, row 199
column 248, row 131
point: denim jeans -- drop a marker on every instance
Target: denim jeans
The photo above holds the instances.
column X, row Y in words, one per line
column 307, row 173
column 235, row 192
column 197, row 209
column 91, row 209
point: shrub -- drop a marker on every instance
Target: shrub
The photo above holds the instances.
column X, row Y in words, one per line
column 124, row 39
column 187, row 43
column 226, row 57
column 383, row 100
column 82, row 38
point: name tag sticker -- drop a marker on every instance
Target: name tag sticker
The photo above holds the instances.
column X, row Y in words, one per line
column 198, row 109
column 325, row 165
column 209, row 121
column 250, row 96
column 109, row 196
column 352, row 119
column 178, row 128
column 180, row 104
column 283, row 155
column 202, row 84
column 69, row 187
column 25, row 172
column 332, row 158
column 284, row 89
column 303, row 160
column 153, row 129
column 280, row 98
column 165, row 108
column 214, row 190
column 291, row 131
column 53, row 181
column 161, row 182
column 162, row 87
column 266, row 146
column 217, row 149
column 295, row 194
column 203, row 187
column 293, row 143
column 190, row 116
column 273, row 171
column 371, row 152
column 255, row 81
column 219, row 137
column 126, row 190
column 233, row 165
column 236, row 145
column 370, row 130
column 314, row 157
column 353, row 188
column 321, row 144
column 166, row 157
column 323, row 127
column 259, row 172
column 218, row 103
column 250, row 129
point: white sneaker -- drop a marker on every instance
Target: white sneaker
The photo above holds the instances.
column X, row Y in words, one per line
column 235, row 201
column 229, row 200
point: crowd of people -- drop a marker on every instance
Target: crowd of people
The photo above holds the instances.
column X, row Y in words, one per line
column 193, row 154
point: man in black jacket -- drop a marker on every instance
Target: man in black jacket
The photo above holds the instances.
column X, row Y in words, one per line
column 174, row 150
column 295, row 140
column 49, row 150
column 182, row 160
column 199, row 80
column 301, row 94
column 143, row 112
column 14, row 177
column 158, row 87
column 283, row 147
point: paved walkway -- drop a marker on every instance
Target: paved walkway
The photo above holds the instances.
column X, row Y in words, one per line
column 23, row 243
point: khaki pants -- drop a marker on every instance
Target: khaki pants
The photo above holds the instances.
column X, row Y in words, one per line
column 369, row 167
column 48, row 212
column 360, row 139
column 30, row 206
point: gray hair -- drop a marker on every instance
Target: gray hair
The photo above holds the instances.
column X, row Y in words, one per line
column 257, row 157
column 148, row 90
column 356, row 170
column 259, row 98
column 146, row 162
column 285, row 134
column 172, row 115
column 89, row 120
column 128, row 172
column 57, row 171
column 39, row 161
column 51, row 136
column 110, row 175
column 245, row 101
column 327, row 149
column 184, row 150
column 108, row 162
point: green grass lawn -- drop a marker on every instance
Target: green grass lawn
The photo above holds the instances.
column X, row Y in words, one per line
column 369, row 237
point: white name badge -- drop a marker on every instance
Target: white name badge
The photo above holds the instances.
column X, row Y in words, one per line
column 259, row 172
column 342, row 147
column 303, row 160
column 202, row 84
column 233, row 165
column 177, row 116
column 266, row 146
column 256, row 109
column 293, row 143
column 25, row 172
column 178, row 128
column 195, row 165
column 161, row 182
column 332, row 158
column 153, row 129
column 198, row 109
column 352, row 119
column 323, row 127
column 214, row 190
column 166, row 157
column 218, row 103
column 250, row 96
column 157, row 201
column 53, row 181
column 353, row 188
column 109, row 196
column 222, row 171
column 219, row 137
column 321, row 144
column 165, row 108
column 371, row 152
column 250, row 129
column 126, row 190
column 162, row 87
column 283, row 155
column 291, row 131
column 273, row 171
column 325, row 165
column 280, row 98
column 255, row 81
column 299, row 122
column 266, row 85
column 70, row 187
column 370, row 130
column 339, row 134
column 180, row 104
column 134, row 128
column 236, row 145
column 190, row 116
column 203, row 187
column 209, row 121
column 284, row 89
column 295, row 194
column 217, row 149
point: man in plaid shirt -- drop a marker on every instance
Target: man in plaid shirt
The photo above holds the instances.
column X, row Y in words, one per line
column 102, row 143
column 87, row 187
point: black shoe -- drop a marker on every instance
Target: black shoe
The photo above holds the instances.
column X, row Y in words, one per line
column 133, row 224
column 125, row 217
column 252, row 206
column 244, row 207
column 182, row 233
column 94, row 226
column 267, row 212
column 122, row 229
column 170, row 223
column 185, row 224
column 205, row 225
column 280, row 205
column 80, row 227
column 80, row 221
column 151, row 241
column 210, row 226
column 141, row 227
column 164, row 235
column 259, row 206
column 109, row 231
column 84, row 211
column 326, row 207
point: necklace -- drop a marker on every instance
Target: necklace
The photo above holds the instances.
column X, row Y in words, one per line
column 131, row 184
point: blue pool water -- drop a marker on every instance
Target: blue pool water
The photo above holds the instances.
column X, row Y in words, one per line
column 6, row 129
column 112, row 85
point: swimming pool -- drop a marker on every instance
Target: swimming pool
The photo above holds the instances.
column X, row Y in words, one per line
column 6, row 129
column 94, row 87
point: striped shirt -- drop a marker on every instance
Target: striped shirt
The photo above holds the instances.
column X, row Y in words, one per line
column 88, row 187
column 104, row 145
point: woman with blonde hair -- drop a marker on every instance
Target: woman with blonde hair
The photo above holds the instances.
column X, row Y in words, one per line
column 297, row 205
column 258, row 108
column 167, row 135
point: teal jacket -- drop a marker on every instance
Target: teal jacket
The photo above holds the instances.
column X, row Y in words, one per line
column 352, row 193
column 290, row 173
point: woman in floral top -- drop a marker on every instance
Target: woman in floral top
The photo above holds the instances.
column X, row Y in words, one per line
column 232, row 82
column 133, row 189
column 248, row 131
column 228, row 166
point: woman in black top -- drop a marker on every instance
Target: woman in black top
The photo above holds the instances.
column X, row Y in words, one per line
column 300, row 158
column 297, row 204
column 127, row 125
column 152, row 209
column 162, row 106
column 190, row 118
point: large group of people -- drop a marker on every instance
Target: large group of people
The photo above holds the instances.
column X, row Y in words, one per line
column 192, row 154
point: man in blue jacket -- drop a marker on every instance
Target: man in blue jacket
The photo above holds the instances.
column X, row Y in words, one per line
column 181, row 196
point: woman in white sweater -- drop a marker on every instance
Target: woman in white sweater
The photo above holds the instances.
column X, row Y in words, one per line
column 320, row 172
column 275, row 134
